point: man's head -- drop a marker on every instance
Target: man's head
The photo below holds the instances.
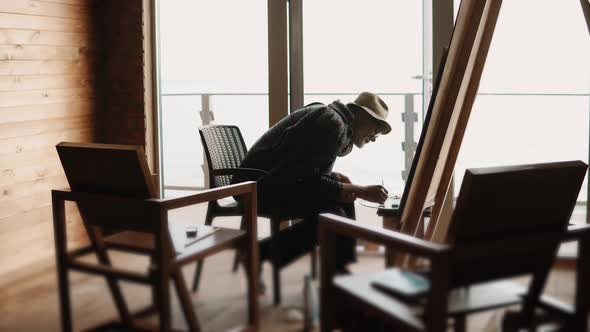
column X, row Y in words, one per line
column 370, row 115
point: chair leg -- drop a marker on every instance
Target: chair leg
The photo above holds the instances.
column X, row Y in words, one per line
column 276, row 257
column 314, row 263
column 532, row 297
column 199, row 268
column 163, row 299
column 60, row 238
column 113, row 284
column 185, row 301
column 237, row 256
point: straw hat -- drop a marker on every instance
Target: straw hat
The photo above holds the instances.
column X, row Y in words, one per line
column 376, row 107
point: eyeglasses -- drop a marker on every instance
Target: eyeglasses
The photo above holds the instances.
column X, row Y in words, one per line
column 377, row 129
column 374, row 137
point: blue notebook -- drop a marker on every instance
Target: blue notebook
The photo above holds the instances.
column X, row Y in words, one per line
column 405, row 285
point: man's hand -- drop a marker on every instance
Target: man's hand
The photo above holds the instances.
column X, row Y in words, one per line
column 375, row 193
column 340, row 177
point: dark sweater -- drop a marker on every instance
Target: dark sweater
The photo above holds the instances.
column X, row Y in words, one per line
column 302, row 148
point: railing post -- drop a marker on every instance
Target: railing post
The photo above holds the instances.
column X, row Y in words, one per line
column 206, row 119
column 409, row 117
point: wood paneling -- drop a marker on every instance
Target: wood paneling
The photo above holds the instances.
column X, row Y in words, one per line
column 73, row 2
column 45, row 67
column 50, row 111
column 37, row 82
column 30, row 128
column 20, row 150
column 23, row 52
column 44, row 23
column 48, row 68
column 17, row 206
column 70, row 70
column 43, row 8
column 40, row 97
column 46, row 38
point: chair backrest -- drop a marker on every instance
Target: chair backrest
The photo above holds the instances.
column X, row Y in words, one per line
column 508, row 221
column 114, row 170
column 224, row 147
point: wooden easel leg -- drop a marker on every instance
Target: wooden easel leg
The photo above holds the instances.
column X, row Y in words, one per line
column 586, row 9
column 390, row 254
column 408, row 261
column 440, row 220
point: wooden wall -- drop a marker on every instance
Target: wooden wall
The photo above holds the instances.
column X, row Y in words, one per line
column 47, row 95
column 70, row 70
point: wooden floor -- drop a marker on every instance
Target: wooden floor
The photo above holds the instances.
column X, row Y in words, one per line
column 32, row 303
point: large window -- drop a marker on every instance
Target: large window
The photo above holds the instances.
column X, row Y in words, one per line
column 533, row 100
column 214, row 68
column 369, row 45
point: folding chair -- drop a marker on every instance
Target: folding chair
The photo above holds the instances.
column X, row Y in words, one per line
column 508, row 222
column 116, row 198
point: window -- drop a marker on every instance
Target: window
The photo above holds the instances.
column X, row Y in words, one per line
column 214, row 68
column 369, row 45
column 533, row 99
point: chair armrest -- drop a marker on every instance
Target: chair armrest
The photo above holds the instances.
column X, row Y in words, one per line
column 240, row 171
column 344, row 226
column 239, row 189
column 576, row 232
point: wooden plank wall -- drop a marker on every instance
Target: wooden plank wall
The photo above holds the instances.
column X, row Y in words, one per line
column 47, row 95
column 70, row 70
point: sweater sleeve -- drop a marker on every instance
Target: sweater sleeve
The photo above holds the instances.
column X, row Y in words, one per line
column 313, row 147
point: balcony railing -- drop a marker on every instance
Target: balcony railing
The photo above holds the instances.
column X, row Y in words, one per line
column 409, row 117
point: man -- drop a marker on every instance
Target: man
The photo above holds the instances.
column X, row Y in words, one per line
column 299, row 153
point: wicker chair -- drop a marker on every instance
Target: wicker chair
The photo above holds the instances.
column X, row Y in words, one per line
column 225, row 149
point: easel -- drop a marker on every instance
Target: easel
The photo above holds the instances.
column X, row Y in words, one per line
column 586, row 9
column 460, row 80
column 458, row 86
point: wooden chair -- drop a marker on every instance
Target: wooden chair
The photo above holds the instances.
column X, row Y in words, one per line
column 116, row 198
column 508, row 222
column 225, row 150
